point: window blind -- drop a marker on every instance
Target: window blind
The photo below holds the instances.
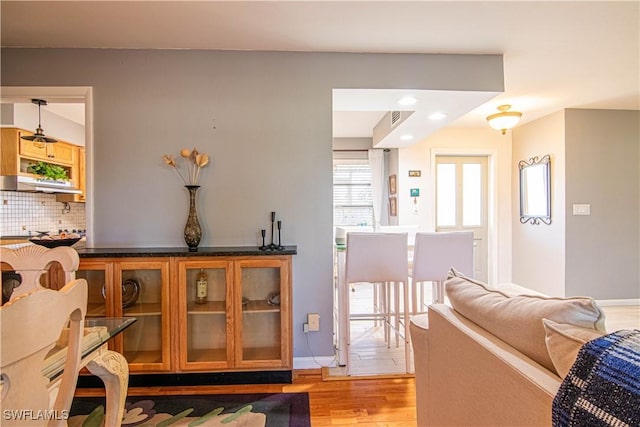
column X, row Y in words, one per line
column 352, row 199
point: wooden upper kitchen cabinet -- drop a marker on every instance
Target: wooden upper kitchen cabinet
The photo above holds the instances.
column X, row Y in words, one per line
column 78, row 177
column 14, row 149
column 10, row 163
column 61, row 153
column 18, row 154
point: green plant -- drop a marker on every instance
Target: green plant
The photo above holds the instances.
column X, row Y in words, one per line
column 48, row 171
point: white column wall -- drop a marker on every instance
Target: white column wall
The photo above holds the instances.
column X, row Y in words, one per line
column 539, row 250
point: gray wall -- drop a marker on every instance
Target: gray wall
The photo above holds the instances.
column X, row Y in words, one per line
column 271, row 150
column 6, row 114
column 595, row 158
column 603, row 152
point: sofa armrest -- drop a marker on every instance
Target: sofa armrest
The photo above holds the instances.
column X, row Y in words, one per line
column 473, row 378
column 419, row 330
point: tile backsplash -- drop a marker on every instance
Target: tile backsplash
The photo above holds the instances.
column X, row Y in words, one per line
column 21, row 213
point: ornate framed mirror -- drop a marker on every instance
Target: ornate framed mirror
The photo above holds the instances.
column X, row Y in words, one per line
column 535, row 190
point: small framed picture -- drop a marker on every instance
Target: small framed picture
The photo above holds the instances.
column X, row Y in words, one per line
column 393, row 206
column 415, row 174
column 393, row 187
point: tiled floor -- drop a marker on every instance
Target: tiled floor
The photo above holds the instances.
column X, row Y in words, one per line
column 372, row 357
column 370, row 354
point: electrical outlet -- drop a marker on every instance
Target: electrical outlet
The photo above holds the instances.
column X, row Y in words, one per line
column 313, row 319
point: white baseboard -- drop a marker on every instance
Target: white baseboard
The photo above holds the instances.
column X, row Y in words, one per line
column 613, row 302
column 313, row 362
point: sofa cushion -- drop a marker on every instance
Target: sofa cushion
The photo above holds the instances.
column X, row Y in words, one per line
column 564, row 342
column 517, row 319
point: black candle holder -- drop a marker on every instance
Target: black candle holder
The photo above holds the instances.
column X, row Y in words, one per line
column 272, row 246
column 263, row 234
column 279, row 247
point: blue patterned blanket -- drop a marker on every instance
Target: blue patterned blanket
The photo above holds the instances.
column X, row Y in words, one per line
column 603, row 386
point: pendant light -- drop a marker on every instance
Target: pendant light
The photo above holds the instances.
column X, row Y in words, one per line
column 505, row 119
column 39, row 135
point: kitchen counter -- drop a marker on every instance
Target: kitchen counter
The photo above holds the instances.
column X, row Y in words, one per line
column 182, row 252
column 15, row 242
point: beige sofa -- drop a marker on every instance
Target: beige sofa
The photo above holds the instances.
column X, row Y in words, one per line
column 468, row 376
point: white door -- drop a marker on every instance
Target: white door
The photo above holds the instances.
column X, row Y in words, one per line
column 461, row 202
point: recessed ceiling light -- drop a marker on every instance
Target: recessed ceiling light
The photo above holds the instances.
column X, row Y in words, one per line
column 437, row 116
column 406, row 137
column 407, row 100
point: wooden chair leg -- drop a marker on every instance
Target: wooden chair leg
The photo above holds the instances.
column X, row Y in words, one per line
column 112, row 368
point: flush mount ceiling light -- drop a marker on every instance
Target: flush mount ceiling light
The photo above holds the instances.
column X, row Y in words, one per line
column 39, row 135
column 437, row 116
column 407, row 100
column 505, row 119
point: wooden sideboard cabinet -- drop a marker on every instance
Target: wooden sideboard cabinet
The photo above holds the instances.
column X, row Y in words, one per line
column 242, row 323
column 245, row 322
column 133, row 287
column 205, row 329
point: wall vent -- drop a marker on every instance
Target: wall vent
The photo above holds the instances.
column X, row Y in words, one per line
column 395, row 118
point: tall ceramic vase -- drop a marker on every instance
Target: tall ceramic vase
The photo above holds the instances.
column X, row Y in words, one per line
column 192, row 230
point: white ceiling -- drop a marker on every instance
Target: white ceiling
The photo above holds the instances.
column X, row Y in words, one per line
column 73, row 112
column 556, row 54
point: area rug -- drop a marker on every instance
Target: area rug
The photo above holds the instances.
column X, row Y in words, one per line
column 228, row 410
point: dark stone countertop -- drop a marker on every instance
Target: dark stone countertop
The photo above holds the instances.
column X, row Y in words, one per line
column 183, row 252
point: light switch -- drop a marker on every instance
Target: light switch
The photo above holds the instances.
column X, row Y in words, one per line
column 582, row 209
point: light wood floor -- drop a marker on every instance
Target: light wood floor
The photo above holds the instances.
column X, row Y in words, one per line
column 373, row 399
column 364, row 402
column 622, row 317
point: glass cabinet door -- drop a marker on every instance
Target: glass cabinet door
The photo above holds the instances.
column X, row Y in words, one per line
column 205, row 314
column 143, row 293
column 97, row 274
column 262, row 329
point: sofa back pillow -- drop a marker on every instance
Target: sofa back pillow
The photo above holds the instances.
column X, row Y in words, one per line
column 564, row 342
column 517, row 319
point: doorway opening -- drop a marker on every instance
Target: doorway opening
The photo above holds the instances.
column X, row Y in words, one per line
column 61, row 95
column 462, row 203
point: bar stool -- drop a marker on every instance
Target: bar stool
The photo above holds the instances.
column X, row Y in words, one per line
column 433, row 257
column 378, row 258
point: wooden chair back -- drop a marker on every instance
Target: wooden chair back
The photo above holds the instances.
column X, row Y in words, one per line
column 30, row 325
column 30, row 262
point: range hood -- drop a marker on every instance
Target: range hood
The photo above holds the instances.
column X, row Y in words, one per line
column 36, row 185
